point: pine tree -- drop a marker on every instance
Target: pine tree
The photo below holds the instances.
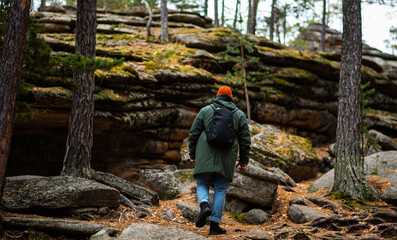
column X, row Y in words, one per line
column 349, row 169
column 10, row 74
column 80, row 135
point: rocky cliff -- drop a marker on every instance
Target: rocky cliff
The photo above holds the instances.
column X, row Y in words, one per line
column 145, row 107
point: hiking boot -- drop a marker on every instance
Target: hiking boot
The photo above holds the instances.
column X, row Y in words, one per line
column 204, row 213
column 215, row 229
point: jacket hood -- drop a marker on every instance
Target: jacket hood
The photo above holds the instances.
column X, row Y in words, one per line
column 224, row 101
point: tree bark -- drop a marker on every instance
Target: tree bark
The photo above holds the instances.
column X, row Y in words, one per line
column 10, row 74
column 206, row 8
column 249, row 16
column 80, row 135
column 43, row 3
column 252, row 16
column 236, row 15
column 223, row 13
column 349, row 169
column 164, row 22
column 272, row 17
column 323, row 26
column 216, row 21
column 149, row 22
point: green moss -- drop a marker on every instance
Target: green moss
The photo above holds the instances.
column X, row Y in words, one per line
column 110, row 95
column 186, row 175
column 348, row 200
column 239, row 217
column 375, row 171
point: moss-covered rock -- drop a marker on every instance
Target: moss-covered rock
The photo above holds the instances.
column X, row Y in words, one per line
column 293, row 154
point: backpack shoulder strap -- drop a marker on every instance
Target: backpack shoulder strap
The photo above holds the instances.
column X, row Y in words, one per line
column 213, row 106
column 234, row 110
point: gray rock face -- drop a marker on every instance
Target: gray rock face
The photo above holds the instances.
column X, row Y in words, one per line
column 76, row 228
column 378, row 164
column 320, row 201
column 384, row 141
column 255, row 216
column 155, row 232
column 252, row 190
column 298, row 201
column 303, row 214
column 188, row 211
column 390, row 195
column 129, row 189
column 168, row 182
column 258, row 234
column 34, row 192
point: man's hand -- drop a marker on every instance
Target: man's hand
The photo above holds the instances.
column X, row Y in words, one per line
column 241, row 167
column 192, row 160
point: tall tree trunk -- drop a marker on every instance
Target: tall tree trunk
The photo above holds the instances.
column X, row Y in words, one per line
column 164, row 22
column 223, row 13
column 249, row 16
column 149, row 22
column 285, row 23
column 80, row 135
column 236, row 14
column 10, row 74
column 216, row 23
column 349, row 169
column 43, row 3
column 206, row 8
column 252, row 16
column 272, row 18
column 323, row 26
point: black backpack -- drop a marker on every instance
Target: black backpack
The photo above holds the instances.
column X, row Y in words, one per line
column 221, row 131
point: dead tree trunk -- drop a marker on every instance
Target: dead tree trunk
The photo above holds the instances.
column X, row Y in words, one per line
column 349, row 170
column 10, row 74
column 272, row 19
column 323, row 26
column 216, row 21
column 149, row 22
column 164, row 22
column 80, row 135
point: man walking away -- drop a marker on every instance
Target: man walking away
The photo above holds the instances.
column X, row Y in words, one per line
column 218, row 131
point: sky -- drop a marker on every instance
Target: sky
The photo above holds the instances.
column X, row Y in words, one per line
column 376, row 19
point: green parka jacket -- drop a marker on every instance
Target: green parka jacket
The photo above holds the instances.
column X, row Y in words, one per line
column 210, row 159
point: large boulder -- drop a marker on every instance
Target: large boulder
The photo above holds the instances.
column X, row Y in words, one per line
column 154, row 231
column 252, row 190
column 129, row 189
column 56, row 226
column 292, row 154
column 59, row 192
column 382, row 164
column 168, row 183
column 303, row 214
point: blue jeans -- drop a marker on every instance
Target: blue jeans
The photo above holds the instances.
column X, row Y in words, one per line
column 220, row 188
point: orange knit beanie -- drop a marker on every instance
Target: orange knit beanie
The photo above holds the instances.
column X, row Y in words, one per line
column 224, row 90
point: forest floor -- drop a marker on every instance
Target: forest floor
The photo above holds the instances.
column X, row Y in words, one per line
column 276, row 225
